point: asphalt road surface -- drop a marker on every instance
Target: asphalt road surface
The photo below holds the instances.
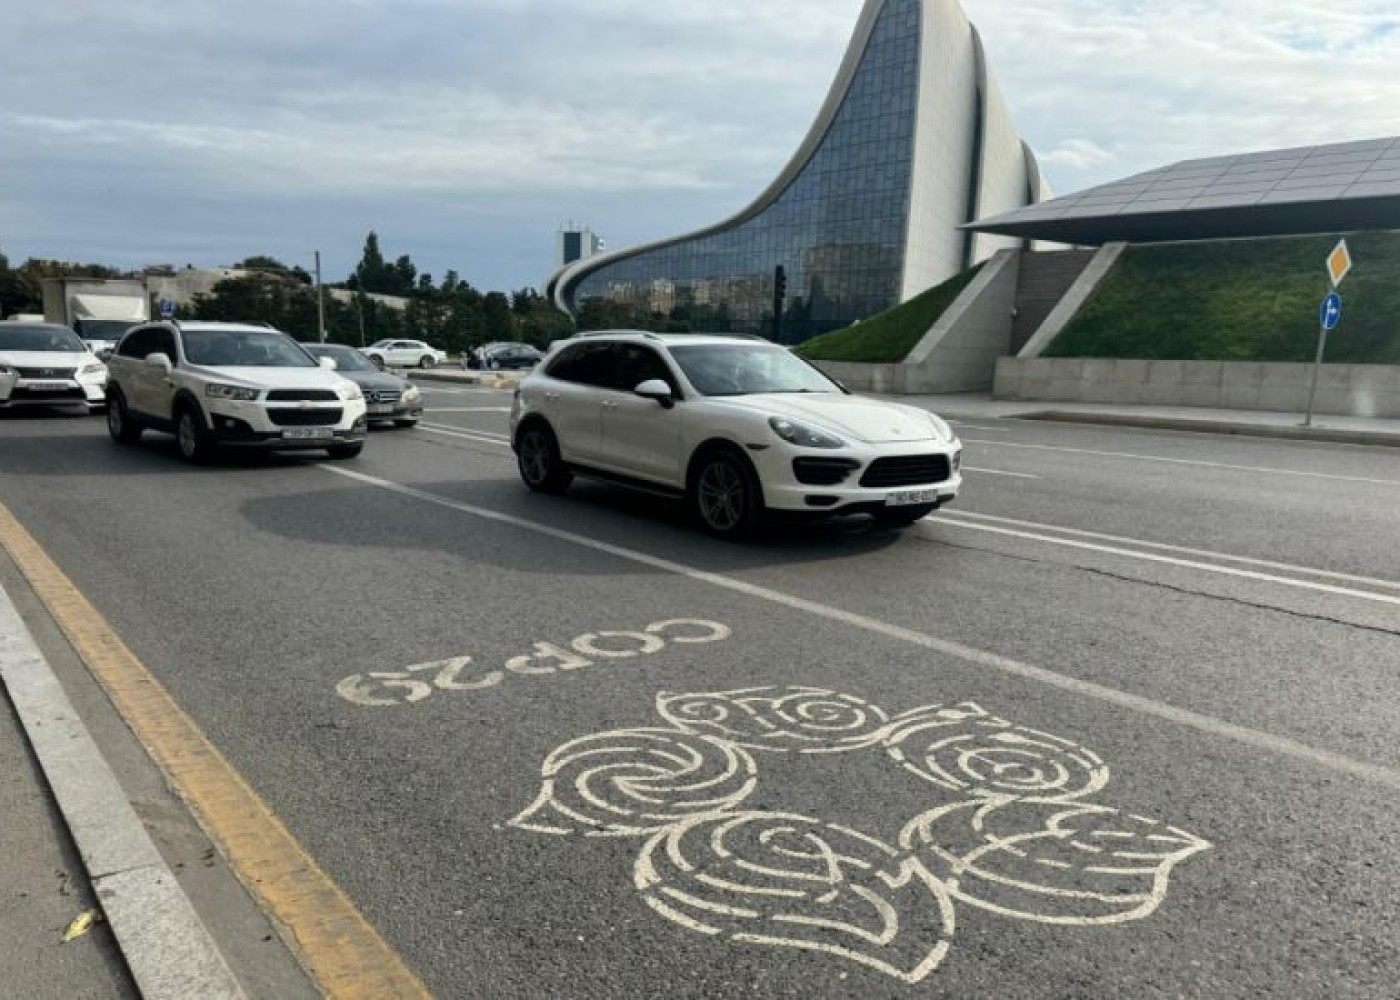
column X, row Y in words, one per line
column 1124, row 721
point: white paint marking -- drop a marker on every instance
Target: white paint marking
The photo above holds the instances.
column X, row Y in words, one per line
column 1188, row 461
column 980, row 427
column 1245, row 560
column 469, row 409
column 1113, row 550
column 999, row 472
column 476, row 437
column 1258, row 739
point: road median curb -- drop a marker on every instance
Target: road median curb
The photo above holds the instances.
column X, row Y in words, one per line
column 167, row 948
column 1335, row 435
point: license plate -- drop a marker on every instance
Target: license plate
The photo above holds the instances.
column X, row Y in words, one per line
column 47, row 386
column 308, row 433
column 905, row 498
column 381, row 408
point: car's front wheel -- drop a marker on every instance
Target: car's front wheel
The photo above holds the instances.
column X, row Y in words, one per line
column 901, row 517
column 123, row 427
column 537, row 454
column 726, row 495
column 195, row 444
column 405, row 423
column 341, row 451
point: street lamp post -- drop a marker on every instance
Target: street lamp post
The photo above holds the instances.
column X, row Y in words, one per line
column 320, row 302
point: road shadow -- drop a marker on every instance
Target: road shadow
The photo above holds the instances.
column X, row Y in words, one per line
column 661, row 528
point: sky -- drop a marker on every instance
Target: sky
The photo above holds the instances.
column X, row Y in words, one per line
column 466, row 132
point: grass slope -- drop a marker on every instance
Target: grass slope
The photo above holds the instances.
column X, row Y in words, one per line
column 1238, row 300
column 892, row 334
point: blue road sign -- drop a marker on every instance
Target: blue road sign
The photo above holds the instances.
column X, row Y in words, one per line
column 1331, row 313
column 167, row 309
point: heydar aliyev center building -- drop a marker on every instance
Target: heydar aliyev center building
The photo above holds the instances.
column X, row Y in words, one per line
column 914, row 140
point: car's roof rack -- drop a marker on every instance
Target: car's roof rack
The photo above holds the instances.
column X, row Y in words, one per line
column 613, row 333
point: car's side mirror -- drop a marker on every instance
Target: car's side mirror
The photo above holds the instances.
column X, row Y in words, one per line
column 329, row 364
column 160, row 360
column 657, row 389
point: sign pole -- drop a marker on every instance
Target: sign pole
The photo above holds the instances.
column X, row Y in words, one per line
column 1317, row 368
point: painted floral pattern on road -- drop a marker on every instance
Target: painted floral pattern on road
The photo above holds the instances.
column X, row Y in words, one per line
column 1007, row 826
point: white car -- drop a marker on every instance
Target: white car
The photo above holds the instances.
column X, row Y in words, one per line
column 738, row 426
column 403, row 354
column 230, row 385
column 44, row 364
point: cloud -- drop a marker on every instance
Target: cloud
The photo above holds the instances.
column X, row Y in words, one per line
column 474, row 127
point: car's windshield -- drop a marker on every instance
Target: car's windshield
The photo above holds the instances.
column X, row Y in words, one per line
column 746, row 369
column 244, row 349
column 347, row 359
column 22, row 337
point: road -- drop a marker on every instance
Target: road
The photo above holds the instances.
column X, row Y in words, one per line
column 1124, row 721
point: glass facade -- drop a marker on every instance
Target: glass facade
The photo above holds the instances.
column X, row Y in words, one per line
column 838, row 229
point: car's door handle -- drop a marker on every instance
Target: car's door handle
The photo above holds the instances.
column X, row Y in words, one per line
column 551, row 396
column 608, row 404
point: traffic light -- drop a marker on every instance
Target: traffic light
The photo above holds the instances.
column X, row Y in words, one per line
column 780, row 283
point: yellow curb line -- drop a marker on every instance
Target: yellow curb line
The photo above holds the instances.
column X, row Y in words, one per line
column 339, row 948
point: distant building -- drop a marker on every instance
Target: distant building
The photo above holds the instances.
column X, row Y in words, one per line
column 574, row 245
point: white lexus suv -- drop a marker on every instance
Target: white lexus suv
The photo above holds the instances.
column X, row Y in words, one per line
column 43, row 364
column 738, row 426
column 218, row 385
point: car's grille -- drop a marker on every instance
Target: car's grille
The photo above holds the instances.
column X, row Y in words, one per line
column 47, row 372
column 906, row 470
column 822, row 471
column 304, row 418
column 301, row 395
column 382, row 395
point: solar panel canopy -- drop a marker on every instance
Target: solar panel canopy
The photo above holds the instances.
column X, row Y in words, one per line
column 1342, row 187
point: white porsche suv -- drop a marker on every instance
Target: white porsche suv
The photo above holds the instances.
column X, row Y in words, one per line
column 738, row 426
column 218, row 385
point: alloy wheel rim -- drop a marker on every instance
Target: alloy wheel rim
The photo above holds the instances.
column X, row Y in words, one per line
column 534, row 457
column 186, row 435
column 721, row 495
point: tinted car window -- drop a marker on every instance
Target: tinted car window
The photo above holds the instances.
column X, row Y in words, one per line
column 163, row 342
column 137, row 343
column 637, row 364
column 26, row 337
column 590, row 364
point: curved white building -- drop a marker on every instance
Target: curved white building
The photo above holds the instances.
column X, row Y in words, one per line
column 913, row 141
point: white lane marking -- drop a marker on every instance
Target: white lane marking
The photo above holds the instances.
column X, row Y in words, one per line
column 999, row 472
column 479, row 438
column 1188, row 461
column 457, row 392
column 1113, row 550
column 980, row 427
column 1245, row 560
column 1282, row 745
column 469, row 409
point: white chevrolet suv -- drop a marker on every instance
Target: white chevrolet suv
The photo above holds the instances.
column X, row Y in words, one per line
column 738, row 426
column 217, row 385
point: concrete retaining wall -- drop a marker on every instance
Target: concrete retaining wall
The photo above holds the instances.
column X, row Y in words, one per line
column 1342, row 390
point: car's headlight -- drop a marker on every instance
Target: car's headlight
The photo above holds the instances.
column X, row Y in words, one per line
column 7, row 370
column 217, row 390
column 941, row 428
column 349, row 390
column 957, row 460
column 411, row 393
column 93, row 370
column 801, row 435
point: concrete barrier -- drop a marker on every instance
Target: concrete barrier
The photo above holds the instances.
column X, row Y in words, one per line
column 1342, row 390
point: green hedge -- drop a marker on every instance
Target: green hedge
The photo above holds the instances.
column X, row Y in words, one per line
column 892, row 334
column 1241, row 300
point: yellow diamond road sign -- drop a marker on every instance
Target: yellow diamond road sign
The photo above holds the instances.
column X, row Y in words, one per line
column 1339, row 263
